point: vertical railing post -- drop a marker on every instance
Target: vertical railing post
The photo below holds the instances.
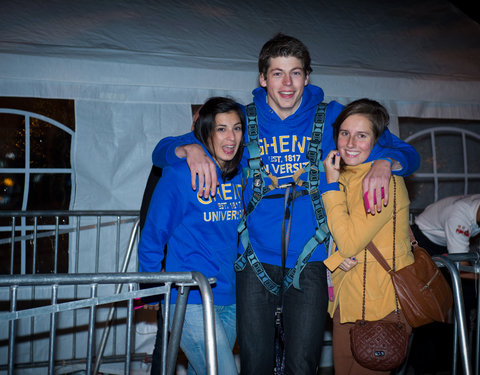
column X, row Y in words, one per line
column 459, row 309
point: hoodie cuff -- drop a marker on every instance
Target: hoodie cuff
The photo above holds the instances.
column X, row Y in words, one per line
column 333, row 186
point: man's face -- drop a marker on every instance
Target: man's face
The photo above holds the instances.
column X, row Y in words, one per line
column 285, row 81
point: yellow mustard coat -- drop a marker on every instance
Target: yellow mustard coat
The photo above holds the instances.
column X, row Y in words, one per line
column 352, row 229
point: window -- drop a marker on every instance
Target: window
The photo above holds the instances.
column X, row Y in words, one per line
column 450, row 155
column 36, row 173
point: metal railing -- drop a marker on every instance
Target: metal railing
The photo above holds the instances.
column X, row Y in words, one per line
column 95, row 242
column 182, row 280
column 452, row 264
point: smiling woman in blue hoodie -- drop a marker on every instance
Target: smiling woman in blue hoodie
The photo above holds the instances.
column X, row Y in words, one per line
column 200, row 233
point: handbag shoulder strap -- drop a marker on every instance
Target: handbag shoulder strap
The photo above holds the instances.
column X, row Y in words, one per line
column 413, row 240
column 371, row 246
column 378, row 256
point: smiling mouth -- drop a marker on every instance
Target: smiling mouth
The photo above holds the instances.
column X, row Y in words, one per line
column 286, row 94
column 351, row 154
column 228, row 149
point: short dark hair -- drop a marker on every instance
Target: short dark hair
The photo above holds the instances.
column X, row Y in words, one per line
column 373, row 110
column 205, row 124
column 283, row 46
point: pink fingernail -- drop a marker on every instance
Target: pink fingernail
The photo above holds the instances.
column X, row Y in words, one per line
column 365, row 201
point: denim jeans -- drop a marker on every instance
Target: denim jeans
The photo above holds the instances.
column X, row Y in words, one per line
column 304, row 315
column 192, row 341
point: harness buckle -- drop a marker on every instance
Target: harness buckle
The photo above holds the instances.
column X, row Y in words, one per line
column 255, row 163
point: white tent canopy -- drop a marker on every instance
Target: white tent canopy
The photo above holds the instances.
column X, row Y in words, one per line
column 134, row 67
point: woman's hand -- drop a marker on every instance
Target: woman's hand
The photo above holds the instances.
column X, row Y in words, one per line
column 348, row 264
column 331, row 164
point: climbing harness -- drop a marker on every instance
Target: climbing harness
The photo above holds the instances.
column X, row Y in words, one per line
column 258, row 173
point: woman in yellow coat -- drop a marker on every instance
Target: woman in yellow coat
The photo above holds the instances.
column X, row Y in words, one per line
column 353, row 226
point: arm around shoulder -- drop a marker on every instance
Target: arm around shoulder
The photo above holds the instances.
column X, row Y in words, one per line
column 404, row 158
column 166, row 151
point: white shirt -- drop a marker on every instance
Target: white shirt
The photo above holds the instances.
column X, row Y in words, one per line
column 451, row 222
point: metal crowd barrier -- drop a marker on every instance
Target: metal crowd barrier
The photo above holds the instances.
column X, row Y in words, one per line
column 94, row 242
column 452, row 264
column 182, row 280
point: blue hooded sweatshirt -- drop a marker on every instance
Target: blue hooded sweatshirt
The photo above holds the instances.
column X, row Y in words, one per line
column 201, row 235
column 283, row 144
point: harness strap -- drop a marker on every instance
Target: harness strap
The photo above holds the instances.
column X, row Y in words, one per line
column 314, row 155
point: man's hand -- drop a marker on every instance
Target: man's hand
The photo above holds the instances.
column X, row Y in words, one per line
column 202, row 166
column 375, row 185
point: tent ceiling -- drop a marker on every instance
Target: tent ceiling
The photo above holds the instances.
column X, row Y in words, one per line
column 428, row 37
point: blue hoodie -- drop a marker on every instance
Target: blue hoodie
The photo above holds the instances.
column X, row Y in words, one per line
column 201, row 235
column 283, row 144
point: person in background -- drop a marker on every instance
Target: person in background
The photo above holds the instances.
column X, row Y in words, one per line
column 446, row 226
column 201, row 234
column 356, row 132
column 285, row 106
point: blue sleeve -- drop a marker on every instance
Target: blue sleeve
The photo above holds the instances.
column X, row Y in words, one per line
column 164, row 152
column 165, row 213
column 390, row 146
column 333, row 186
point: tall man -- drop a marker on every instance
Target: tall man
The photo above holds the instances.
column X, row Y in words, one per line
column 286, row 217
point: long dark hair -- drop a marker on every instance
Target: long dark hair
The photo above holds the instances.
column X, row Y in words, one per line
column 205, row 124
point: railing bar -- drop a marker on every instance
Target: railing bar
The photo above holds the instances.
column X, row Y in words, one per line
column 23, row 249
column 53, row 320
column 75, row 288
column 87, row 302
column 32, row 326
column 166, row 320
column 91, row 329
column 55, row 266
column 12, row 247
column 117, row 244
column 459, row 309
column 176, row 329
column 110, row 277
column 97, row 246
column 35, row 233
column 12, row 333
column 66, row 229
column 128, row 344
column 118, row 287
column 209, row 324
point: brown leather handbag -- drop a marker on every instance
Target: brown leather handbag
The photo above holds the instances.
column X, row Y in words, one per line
column 423, row 292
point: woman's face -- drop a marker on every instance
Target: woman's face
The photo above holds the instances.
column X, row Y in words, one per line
column 355, row 139
column 226, row 137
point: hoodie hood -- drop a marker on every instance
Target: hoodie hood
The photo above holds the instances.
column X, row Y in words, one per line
column 312, row 95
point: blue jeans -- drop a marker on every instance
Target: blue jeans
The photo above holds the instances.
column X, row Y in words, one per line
column 192, row 341
column 304, row 315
